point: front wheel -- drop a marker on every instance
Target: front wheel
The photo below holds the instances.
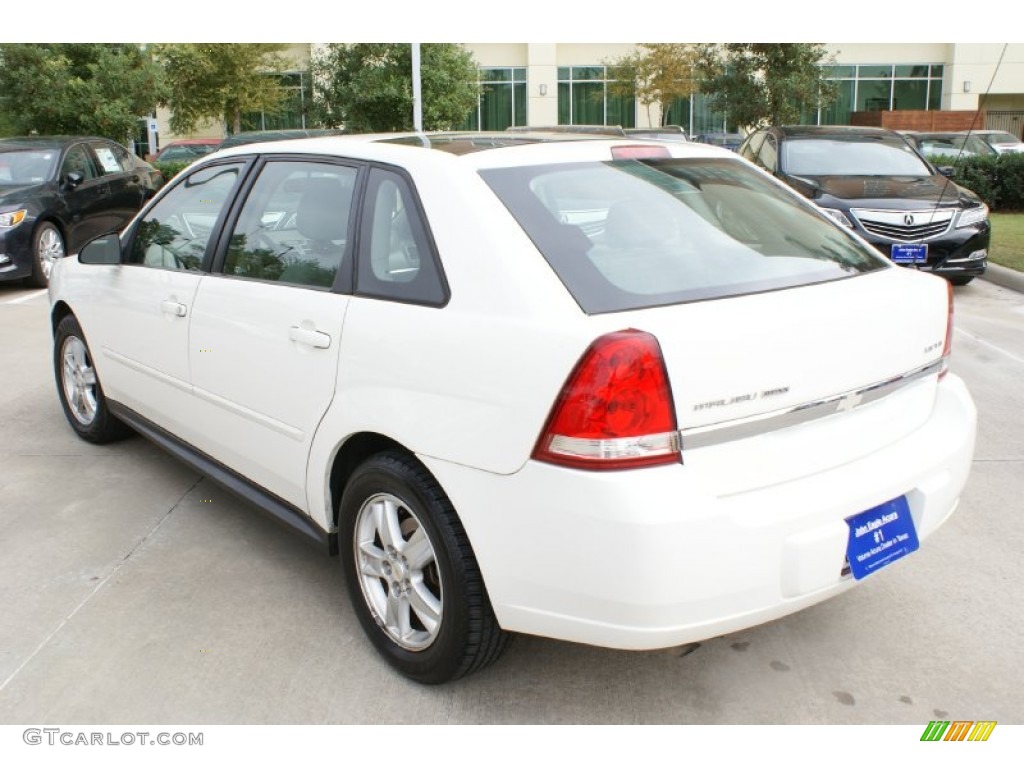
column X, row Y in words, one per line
column 960, row 280
column 79, row 388
column 412, row 575
column 47, row 248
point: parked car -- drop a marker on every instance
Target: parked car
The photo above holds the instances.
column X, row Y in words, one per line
column 186, row 150
column 601, row 130
column 1000, row 141
column 872, row 181
column 933, row 144
column 252, row 137
column 630, row 394
column 659, row 133
column 728, row 140
column 57, row 192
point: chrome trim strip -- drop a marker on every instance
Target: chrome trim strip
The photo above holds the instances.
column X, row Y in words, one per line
column 737, row 429
column 135, row 365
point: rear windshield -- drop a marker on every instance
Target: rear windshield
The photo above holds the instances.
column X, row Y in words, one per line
column 641, row 233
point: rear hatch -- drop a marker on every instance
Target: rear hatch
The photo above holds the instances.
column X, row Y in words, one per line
column 789, row 383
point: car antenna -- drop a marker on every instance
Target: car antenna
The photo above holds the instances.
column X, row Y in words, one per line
column 974, row 121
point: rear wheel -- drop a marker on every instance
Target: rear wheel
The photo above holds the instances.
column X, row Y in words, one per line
column 412, row 575
column 79, row 388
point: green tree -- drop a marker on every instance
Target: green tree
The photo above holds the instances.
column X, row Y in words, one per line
column 76, row 88
column 367, row 87
column 220, row 81
column 758, row 84
column 657, row 73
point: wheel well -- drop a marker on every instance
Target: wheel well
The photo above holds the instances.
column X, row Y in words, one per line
column 48, row 219
column 352, row 453
column 60, row 311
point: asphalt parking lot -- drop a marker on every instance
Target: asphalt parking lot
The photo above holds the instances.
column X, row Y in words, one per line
column 135, row 591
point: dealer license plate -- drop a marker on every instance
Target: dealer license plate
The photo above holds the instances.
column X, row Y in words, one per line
column 880, row 536
column 910, row 253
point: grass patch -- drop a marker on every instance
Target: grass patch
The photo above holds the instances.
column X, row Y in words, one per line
column 1007, row 247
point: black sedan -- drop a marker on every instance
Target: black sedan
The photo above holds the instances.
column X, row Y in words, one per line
column 875, row 183
column 58, row 192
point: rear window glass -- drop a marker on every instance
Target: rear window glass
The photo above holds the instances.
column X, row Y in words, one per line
column 640, row 233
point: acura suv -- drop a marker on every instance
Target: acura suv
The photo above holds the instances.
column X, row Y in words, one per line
column 873, row 182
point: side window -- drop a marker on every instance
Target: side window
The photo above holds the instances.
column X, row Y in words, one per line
column 107, row 157
column 396, row 259
column 78, row 160
column 174, row 234
column 767, row 158
column 293, row 227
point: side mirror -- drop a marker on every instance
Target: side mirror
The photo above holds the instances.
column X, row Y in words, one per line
column 73, row 179
column 946, row 170
column 105, row 249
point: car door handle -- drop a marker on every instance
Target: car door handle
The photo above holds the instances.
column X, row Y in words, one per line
column 313, row 338
column 173, row 308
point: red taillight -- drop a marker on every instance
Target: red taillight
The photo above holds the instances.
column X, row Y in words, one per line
column 615, row 410
column 947, row 348
column 639, row 152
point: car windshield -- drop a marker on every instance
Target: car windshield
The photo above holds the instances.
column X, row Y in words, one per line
column 27, row 166
column 1001, row 137
column 640, row 233
column 860, row 156
column 954, row 145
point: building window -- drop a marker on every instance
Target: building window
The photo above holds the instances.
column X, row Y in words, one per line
column 294, row 112
column 585, row 98
column 502, row 101
column 869, row 87
column 695, row 115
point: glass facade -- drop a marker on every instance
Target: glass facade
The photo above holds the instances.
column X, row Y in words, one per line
column 870, row 87
column 295, row 108
column 502, row 101
column 696, row 116
column 585, row 98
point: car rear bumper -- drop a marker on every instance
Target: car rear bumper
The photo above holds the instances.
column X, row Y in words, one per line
column 652, row 558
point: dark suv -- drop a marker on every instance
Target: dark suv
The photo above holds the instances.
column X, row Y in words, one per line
column 872, row 181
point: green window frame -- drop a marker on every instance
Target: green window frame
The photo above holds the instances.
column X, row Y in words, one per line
column 584, row 97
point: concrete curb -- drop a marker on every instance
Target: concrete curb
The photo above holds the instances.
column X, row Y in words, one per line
column 1007, row 278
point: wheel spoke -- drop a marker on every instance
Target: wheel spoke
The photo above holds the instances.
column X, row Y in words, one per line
column 418, row 551
column 427, row 607
column 397, row 615
column 89, row 377
column 386, row 520
column 371, row 561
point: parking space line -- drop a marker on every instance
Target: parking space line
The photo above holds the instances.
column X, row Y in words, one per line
column 99, row 586
column 990, row 345
column 26, row 297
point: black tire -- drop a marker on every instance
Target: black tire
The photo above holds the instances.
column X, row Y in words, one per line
column 47, row 245
column 467, row 637
column 960, row 280
column 81, row 395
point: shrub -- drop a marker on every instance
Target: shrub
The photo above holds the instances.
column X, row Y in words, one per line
column 170, row 170
column 998, row 180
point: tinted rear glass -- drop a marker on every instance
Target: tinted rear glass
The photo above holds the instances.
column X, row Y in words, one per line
column 640, row 233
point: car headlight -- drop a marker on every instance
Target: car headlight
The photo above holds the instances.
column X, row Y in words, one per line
column 12, row 218
column 972, row 216
column 837, row 216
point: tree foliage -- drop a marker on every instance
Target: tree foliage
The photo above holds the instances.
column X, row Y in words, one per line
column 220, row 81
column 76, row 88
column 758, row 84
column 367, row 87
column 657, row 73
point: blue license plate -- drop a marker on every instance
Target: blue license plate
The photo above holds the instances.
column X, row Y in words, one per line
column 906, row 253
column 879, row 536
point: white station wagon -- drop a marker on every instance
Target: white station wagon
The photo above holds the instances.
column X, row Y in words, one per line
column 603, row 390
